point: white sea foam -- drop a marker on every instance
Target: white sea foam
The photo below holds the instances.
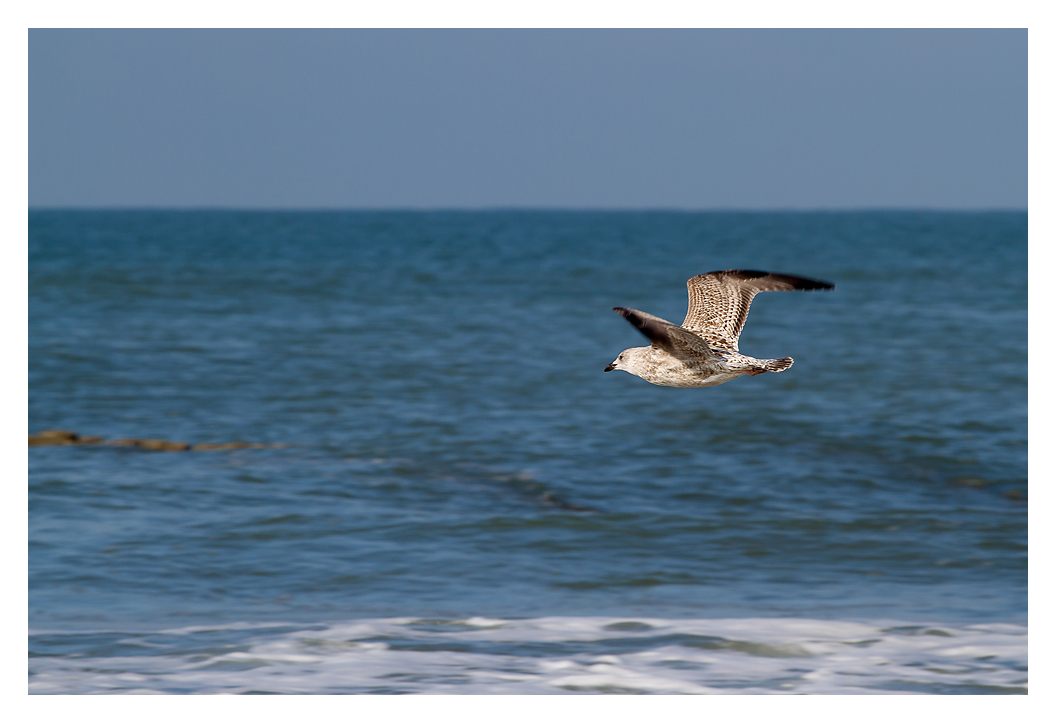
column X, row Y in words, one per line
column 551, row 655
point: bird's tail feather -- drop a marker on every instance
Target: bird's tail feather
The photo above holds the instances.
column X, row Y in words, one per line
column 777, row 365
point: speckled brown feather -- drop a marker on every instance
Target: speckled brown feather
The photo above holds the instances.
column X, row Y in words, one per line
column 719, row 301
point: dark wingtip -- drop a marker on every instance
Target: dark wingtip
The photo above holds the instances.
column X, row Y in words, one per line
column 799, row 283
column 813, row 284
column 633, row 316
column 806, row 283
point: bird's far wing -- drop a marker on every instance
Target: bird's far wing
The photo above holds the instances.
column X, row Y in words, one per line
column 719, row 301
column 671, row 338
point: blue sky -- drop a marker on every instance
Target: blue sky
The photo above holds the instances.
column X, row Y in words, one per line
column 610, row 119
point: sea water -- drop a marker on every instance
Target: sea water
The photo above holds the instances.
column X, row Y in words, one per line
column 457, row 499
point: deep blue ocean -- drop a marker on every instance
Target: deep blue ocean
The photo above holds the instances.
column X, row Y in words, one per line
column 460, row 500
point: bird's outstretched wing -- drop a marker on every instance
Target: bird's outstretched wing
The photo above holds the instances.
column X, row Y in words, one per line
column 672, row 338
column 719, row 301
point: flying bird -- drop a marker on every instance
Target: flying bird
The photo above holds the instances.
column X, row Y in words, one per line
column 703, row 350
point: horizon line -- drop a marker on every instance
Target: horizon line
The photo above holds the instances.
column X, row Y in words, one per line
column 536, row 209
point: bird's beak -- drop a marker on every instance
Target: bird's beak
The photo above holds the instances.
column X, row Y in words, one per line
column 610, row 367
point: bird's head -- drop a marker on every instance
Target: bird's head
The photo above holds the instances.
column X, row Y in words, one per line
column 628, row 360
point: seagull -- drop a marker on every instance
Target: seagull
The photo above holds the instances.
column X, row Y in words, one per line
column 703, row 350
